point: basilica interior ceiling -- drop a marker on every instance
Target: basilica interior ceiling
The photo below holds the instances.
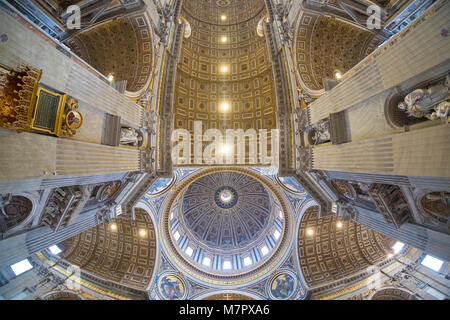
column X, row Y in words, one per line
column 123, row 251
column 214, row 232
column 121, row 47
column 224, row 62
column 330, row 249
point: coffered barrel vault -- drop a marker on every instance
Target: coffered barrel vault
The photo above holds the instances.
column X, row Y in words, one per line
column 224, row 75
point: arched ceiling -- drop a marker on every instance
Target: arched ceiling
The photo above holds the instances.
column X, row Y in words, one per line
column 332, row 252
column 121, row 47
column 236, row 11
column 391, row 294
column 324, row 44
column 247, row 85
column 122, row 255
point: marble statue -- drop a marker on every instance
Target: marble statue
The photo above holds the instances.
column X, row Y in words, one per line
column 4, row 201
column 321, row 132
column 129, row 136
column 428, row 103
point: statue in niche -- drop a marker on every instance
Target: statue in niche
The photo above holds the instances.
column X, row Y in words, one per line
column 130, row 137
column 320, row 132
column 304, row 99
column 432, row 103
column 4, row 201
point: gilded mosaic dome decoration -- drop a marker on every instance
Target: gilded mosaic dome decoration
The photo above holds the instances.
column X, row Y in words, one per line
column 227, row 210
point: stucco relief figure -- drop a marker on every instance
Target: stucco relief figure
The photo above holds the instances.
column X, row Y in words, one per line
column 432, row 103
column 130, row 137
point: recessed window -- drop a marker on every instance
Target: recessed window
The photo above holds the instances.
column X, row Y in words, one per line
column 432, row 263
column 227, row 265
column 171, row 215
column 189, row 251
column 21, row 267
column 247, row 261
column 206, row 261
column 264, row 250
column 55, row 249
column 398, row 246
column 276, row 234
column 176, row 235
column 280, row 214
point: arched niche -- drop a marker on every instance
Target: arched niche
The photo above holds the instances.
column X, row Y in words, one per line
column 17, row 211
column 391, row 293
column 62, row 295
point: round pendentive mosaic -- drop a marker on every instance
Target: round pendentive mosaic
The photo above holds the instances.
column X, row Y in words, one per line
column 283, row 285
column 171, row 287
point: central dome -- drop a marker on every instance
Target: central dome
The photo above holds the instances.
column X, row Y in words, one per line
column 226, row 226
column 226, row 210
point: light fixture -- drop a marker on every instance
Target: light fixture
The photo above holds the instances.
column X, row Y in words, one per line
column 224, row 39
column 224, row 68
column 113, row 227
column 110, row 77
column 309, row 232
column 224, row 107
column 55, row 249
column 339, row 224
column 337, row 75
column 223, row 17
column 390, row 255
column 142, row 233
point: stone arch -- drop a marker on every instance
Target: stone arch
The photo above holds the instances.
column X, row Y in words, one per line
column 391, row 293
column 121, row 255
column 323, row 45
column 121, row 47
column 333, row 253
column 62, row 295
